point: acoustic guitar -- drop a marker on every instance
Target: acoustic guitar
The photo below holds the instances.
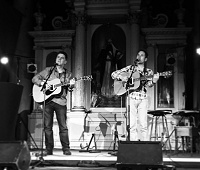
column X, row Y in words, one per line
column 53, row 88
column 120, row 87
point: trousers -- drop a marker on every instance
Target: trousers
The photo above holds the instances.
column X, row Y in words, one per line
column 61, row 116
column 138, row 119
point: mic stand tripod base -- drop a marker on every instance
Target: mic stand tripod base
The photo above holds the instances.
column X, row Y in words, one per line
column 40, row 154
column 91, row 151
column 116, row 140
column 40, row 161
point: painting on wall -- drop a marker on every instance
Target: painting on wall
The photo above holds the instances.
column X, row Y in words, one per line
column 165, row 90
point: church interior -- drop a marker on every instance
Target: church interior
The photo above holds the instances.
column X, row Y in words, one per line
column 99, row 37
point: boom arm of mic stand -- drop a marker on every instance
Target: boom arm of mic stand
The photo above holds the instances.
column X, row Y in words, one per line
column 44, row 85
column 129, row 79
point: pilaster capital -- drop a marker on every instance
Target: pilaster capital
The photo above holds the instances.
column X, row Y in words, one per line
column 81, row 18
column 134, row 17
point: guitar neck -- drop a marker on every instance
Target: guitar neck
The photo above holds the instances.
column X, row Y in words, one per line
column 61, row 84
column 150, row 76
column 76, row 79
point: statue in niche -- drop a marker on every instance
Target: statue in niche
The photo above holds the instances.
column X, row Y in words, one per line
column 111, row 58
column 106, row 64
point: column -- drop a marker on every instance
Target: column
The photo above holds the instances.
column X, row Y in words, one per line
column 78, row 96
column 135, row 34
column 151, row 63
column 77, row 115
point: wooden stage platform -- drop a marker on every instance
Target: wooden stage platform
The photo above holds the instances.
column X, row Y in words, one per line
column 181, row 160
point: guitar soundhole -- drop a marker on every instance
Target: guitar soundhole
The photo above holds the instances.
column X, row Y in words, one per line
column 48, row 92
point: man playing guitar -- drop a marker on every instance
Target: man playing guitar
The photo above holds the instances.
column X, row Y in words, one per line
column 137, row 95
column 57, row 103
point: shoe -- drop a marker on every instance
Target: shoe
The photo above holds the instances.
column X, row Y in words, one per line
column 48, row 152
column 45, row 153
column 67, row 152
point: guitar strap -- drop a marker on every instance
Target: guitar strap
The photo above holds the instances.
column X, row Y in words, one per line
column 142, row 82
column 63, row 88
column 145, row 72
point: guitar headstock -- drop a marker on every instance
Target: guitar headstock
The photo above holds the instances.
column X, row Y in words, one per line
column 167, row 74
column 89, row 78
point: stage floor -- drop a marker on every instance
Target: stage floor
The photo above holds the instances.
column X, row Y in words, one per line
column 104, row 160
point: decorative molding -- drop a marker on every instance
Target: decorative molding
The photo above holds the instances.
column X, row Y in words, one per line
column 79, row 5
column 166, row 35
column 53, row 39
column 134, row 5
column 99, row 10
column 59, row 23
column 111, row 7
column 160, row 21
column 166, row 31
column 53, row 34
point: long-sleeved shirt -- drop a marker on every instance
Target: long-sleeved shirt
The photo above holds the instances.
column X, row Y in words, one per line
column 64, row 78
column 145, row 80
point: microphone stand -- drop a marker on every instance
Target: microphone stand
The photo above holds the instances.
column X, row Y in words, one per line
column 41, row 156
column 50, row 72
column 128, row 103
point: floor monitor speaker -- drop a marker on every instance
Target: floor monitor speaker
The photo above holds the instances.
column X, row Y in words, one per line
column 140, row 152
column 14, row 155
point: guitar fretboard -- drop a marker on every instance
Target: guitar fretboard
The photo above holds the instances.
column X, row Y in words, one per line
column 150, row 76
column 76, row 79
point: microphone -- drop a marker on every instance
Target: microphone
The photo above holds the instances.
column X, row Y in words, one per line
column 136, row 60
column 54, row 66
